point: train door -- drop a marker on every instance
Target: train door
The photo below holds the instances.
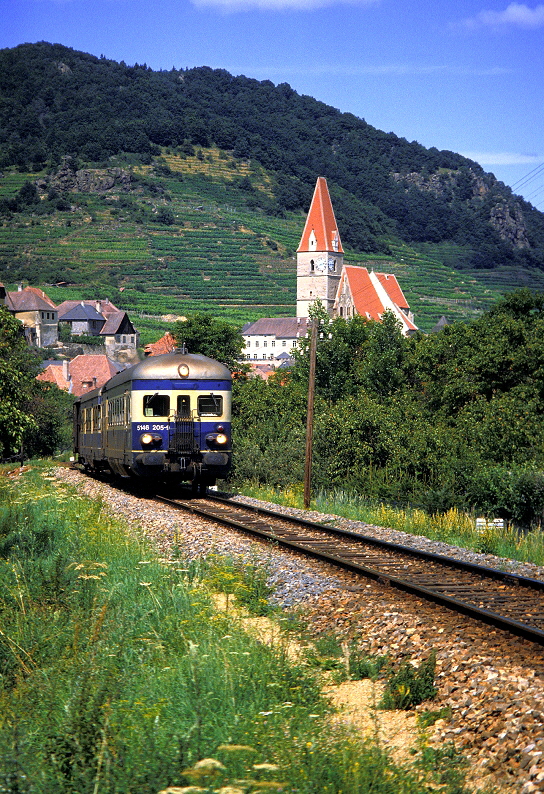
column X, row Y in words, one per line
column 77, row 427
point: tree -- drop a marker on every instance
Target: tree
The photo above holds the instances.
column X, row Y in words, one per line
column 35, row 417
column 202, row 333
column 18, row 370
column 382, row 370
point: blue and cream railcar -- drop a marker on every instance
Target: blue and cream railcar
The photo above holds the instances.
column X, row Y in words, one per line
column 168, row 417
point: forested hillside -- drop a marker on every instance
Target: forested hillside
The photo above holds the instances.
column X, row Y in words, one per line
column 109, row 172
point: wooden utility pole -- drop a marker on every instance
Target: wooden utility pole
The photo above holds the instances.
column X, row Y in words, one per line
column 310, row 415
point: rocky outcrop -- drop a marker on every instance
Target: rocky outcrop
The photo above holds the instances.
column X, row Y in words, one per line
column 505, row 216
column 507, row 220
column 444, row 182
column 87, row 180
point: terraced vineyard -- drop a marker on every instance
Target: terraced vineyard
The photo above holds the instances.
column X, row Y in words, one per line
column 189, row 235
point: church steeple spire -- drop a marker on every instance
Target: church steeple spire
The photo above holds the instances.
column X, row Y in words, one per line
column 319, row 255
column 321, row 230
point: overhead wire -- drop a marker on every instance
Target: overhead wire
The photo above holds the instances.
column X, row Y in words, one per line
column 533, row 174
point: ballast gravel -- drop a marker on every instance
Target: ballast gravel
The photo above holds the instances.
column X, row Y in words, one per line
column 491, row 682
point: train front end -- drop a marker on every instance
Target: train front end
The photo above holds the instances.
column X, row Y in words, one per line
column 180, row 410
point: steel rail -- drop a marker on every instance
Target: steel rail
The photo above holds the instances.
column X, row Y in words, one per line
column 310, row 548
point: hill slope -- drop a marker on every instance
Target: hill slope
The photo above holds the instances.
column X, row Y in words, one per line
column 192, row 185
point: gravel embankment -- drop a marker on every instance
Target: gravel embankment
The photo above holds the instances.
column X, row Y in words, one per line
column 493, row 682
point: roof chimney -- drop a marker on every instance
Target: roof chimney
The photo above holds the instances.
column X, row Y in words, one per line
column 65, row 369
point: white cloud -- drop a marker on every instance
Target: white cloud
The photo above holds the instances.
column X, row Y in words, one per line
column 503, row 158
column 516, row 15
column 275, row 5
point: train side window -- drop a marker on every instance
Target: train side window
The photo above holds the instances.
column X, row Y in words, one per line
column 156, row 405
column 210, row 405
column 184, row 405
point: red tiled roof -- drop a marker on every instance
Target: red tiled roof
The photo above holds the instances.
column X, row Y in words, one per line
column 54, row 374
column 263, row 371
column 83, row 371
column 166, row 344
column 284, row 327
column 392, row 287
column 321, row 221
column 29, row 299
column 365, row 298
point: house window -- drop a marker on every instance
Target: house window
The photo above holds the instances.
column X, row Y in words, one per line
column 255, row 355
column 284, row 343
column 248, row 343
column 294, row 343
column 256, row 344
column 312, row 265
column 265, row 344
column 273, row 343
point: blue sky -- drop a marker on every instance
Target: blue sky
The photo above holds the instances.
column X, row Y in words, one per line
column 465, row 76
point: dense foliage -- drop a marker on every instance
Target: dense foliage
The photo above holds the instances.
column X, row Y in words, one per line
column 34, row 416
column 449, row 419
column 57, row 102
column 204, row 334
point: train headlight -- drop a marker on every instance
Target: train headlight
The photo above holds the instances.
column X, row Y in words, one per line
column 183, row 370
column 215, row 440
column 151, row 440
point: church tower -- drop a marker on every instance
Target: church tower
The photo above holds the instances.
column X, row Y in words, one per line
column 320, row 255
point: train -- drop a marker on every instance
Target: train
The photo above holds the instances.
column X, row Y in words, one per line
column 166, row 419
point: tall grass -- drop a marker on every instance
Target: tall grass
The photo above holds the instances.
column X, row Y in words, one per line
column 118, row 675
column 454, row 526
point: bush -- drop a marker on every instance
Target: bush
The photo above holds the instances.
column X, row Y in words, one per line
column 409, row 685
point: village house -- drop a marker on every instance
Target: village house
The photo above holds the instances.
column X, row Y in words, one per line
column 100, row 318
column 273, row 339
column 37, row 313
column 81, row 374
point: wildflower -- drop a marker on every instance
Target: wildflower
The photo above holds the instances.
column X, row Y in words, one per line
column 145, row 584
column 265, row 713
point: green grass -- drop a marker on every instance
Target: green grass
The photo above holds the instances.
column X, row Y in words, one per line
column 117, row 673
column 453, row 527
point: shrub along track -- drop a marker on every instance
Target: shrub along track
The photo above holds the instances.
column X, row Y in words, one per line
column 505, row 600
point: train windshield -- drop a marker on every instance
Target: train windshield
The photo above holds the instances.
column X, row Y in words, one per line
column 156, row 405
column 210, row 405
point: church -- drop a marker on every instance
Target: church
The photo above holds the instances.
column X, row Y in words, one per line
column 344, row 290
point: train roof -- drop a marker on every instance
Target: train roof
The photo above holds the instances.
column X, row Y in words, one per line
column 166, row 367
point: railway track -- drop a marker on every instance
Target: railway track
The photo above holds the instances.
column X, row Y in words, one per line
column 505, row 600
